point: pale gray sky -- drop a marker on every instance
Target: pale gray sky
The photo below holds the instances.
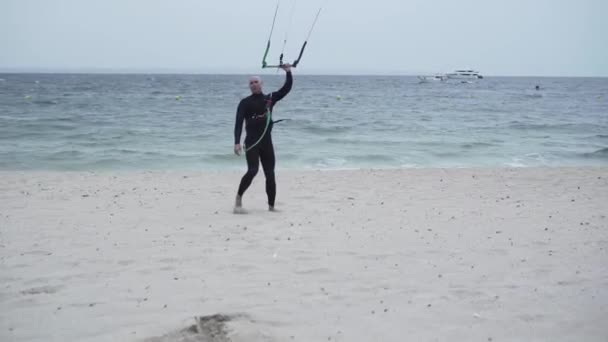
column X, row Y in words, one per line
column 497, row 37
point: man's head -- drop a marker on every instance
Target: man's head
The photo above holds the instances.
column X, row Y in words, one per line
column 255, row 85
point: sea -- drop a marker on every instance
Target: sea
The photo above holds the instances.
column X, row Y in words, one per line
column 101, row 122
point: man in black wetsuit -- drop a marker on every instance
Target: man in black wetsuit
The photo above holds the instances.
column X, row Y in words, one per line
column 254, row 110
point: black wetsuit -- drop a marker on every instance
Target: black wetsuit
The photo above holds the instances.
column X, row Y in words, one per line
column 253, row 110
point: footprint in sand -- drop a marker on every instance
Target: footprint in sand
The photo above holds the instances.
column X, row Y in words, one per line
column 462, row 293
column 169, row 260
column 374, row 257
column 531, row 317
column 205, row 329
column 41, row 290
column 126, row 262
column 321, row 270
column 37, row 253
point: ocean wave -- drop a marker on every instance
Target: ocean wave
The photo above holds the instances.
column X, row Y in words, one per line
column 446, row 154
column 127, row 151
column 343, row 141
column 20, row 118
column 322, row 129
column 22, row 135
column 352, row 161
column 221, row 157
column 528, row 95
column 325, row 161
column 547, row 126
column 231, row 157
column 473, row 145
column 66, row 155
column 104, row 163
column 516, row 162
column 366, row 158
column 47, row 126
column 45, row 102
column 32, row 120
column 80, row 136
column 434, row 143
column 160, row 155
column 522, row 125
column 599, row 154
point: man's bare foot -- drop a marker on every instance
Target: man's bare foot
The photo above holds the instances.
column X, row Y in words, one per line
column 273, row 209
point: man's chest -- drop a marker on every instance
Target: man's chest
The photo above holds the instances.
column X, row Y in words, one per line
column 256, row 109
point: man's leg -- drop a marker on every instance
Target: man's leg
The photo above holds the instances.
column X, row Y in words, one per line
column 268, row 162
column 253, row 162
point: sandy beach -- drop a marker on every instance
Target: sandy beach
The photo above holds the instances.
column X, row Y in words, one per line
column 365, row 255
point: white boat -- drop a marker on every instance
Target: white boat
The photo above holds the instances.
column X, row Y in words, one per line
column 464, row 75
column 434, row 78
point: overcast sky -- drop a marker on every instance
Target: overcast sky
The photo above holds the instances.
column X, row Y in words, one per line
column 497, row 37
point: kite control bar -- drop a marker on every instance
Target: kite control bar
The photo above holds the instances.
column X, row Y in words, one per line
column 297, row 61
column 293, row 65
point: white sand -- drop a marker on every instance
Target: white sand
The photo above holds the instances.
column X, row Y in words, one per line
column 410, row 255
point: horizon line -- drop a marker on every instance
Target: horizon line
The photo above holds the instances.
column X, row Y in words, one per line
column 161, row 71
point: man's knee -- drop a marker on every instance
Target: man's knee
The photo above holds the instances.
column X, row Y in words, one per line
column 252, row 171
column 269, row 174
